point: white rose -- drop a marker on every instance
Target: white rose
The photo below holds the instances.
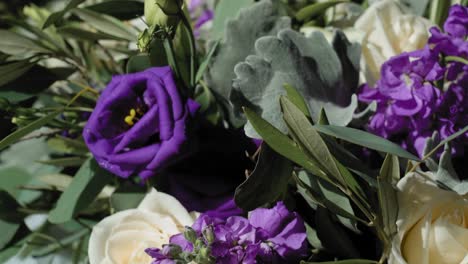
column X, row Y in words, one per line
column 432, row 224
column 123, row 237
column 390, row 29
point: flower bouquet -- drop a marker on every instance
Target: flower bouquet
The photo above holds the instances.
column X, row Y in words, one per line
column 234, row 131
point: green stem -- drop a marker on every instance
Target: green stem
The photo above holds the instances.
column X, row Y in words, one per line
column 193, row 50
column 456, row 59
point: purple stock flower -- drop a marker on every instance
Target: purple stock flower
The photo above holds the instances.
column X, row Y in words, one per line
column 202, row 13
column 273, row 235
column 283, row 232
column 139, row 125
column 421, row 92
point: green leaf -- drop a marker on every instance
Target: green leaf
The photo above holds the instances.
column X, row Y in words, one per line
column 76, row 32
column 308, row 137
column 348, row 261
column 417, row 6
column 258, row 20
column 106, row 24
column 15, row 44
column 121, row 9
column 316, row 9
column 86, row 185
column 121, row 200
column 365, row 139
column 226, row 10
column 387, row 179
column 8, row 232
column 448, row 139
column 281, row 143
column 12, row 178
column 296, row 98
column 55, row 17
column 311, row 140
column 327, row 196
column 439, row 11
column 333, row 236
column 266, row 183
column 67, row 145
column 13, row 70
column 138, row 63
column 313, row 238
column 23, row 131
column 310, row 64
column 64, row 162
column 9, row 207
column 206, row 62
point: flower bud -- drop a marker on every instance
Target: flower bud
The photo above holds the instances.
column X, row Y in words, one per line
column 190, row 234
column 162, row 12
column 172, row 250
column 208, row 234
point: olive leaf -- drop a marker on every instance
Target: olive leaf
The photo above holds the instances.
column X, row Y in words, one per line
column 311, row 65
column 258, row 20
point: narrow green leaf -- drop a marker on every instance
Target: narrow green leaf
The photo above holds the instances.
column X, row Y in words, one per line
column 86, row 185
column 206, row 62
column 448, row 139
column 316, row 9
column 64, row 162
column 85, row 35
column 55, row 17
column 308, row 137
column 439, row 11
column 333, row 236
column 121, row 9
column 267, row 182
column 67, row 145
column 106, row 24
column 15, row 44
column 296, row 98
column 312, row 237
column 389, row 176
column 18, row 134
column 365, row 139
column 13, row 70
column 281, row 143
column 326, row 196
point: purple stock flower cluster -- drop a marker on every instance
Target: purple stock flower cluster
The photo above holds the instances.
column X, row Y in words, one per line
column 273, row 235
column 425, row 90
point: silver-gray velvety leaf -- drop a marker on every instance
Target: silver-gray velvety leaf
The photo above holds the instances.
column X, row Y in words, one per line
column 326, row 75
column 260, row 19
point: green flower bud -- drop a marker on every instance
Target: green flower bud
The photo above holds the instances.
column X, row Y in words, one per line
column 190, row 234
column 208, row 234
column 174, row 250
column 163, row 13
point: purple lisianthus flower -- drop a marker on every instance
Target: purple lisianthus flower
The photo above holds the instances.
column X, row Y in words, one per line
column 273, row 235
column 139, row 125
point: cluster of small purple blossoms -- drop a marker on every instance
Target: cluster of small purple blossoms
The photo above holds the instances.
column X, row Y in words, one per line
column 273, row 235
column 424, row 91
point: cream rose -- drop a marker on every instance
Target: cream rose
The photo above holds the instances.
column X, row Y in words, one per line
column 389, row 29
column 123, row 237
column 432, row 224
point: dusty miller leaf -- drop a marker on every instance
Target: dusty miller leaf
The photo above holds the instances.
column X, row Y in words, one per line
column 258, row 20
column 311, row 65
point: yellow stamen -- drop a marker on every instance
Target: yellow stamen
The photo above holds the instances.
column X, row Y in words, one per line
column 130, row 118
